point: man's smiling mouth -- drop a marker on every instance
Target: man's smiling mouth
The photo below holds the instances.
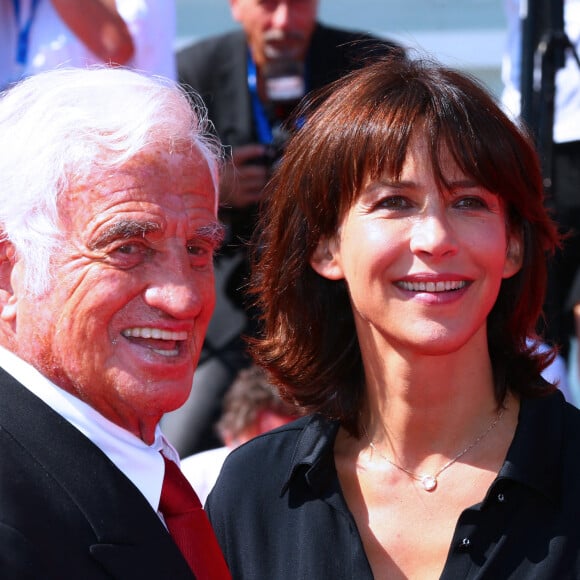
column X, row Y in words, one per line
column 163, row 342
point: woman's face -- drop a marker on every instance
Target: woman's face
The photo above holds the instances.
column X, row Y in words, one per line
column 423, row 266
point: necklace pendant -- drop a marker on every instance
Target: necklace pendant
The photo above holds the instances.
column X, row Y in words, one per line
column 429, row 482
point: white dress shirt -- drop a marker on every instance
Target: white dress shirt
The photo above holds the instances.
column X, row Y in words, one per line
column 141, row 463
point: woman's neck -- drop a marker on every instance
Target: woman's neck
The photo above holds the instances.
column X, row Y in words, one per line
column 419, row 404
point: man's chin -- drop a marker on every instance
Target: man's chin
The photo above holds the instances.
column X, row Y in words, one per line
column 179, row 400
column 276, row 53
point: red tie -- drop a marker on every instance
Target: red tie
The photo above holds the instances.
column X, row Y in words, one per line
column 189, row 526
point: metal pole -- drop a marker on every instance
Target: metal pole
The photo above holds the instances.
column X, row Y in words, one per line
column 543, row 45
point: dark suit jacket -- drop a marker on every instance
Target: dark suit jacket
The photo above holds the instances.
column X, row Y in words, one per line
column 66, row 511
column 216, row 68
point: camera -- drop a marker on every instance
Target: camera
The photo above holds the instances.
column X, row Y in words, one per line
column 284, row 86
column 274, row 150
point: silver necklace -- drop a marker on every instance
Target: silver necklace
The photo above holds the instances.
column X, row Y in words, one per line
column 429, row 482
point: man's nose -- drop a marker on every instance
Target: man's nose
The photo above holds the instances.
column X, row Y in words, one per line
column 281, row 15
column 180, row 291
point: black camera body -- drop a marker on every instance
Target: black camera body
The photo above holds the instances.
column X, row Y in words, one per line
column 274, row 150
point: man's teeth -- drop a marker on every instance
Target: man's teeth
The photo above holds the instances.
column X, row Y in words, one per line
column 432, row 286
column 173, row 352
column 156, row 333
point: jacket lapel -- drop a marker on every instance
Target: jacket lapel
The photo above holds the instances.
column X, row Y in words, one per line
column 130, row 541
column 131, row 561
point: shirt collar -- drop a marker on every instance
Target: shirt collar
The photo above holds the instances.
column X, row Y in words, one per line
column 532, row 459
column 313, row 456
column 534, row 456
column 141, row 463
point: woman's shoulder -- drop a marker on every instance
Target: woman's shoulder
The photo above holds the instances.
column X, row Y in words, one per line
column 269, row 459
column 571, row 415
column 281, row 443
column 550, row 428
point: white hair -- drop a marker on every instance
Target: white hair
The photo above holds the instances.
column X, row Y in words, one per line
column 61, row 125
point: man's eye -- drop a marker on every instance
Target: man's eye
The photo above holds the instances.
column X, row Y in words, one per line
column 200, row 251
column 128, row 254
column 132, row 251
column 195, row 249
column 129, row 249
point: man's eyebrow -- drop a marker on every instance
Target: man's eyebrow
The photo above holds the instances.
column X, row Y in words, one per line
column 214, row 233
column 124, row 230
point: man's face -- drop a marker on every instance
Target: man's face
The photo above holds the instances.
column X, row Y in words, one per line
column 123, row 323
column 276, row 28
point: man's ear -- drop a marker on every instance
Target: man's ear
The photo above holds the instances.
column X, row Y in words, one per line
column 514, row 255
column 7, row 297
column 235, row 10
column 326, row 259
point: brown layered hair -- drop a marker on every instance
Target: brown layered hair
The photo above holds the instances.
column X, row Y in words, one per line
column 358, row 129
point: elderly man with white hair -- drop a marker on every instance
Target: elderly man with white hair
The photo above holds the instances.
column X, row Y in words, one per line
column 108, row 186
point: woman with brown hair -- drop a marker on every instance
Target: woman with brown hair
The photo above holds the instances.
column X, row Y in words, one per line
column 401, row 273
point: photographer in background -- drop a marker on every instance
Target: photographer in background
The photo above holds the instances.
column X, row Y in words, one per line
column 250, row 80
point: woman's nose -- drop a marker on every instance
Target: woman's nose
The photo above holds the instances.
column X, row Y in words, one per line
column 433, row 234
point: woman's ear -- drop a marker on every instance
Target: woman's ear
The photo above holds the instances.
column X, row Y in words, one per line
column 514, row 255
column 326, row 259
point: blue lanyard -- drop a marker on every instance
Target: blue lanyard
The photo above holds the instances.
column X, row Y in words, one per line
column 23, row 31
column 263, row 127
column 262, row 124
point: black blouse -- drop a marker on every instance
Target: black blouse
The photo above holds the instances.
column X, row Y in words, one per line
column 279, row 513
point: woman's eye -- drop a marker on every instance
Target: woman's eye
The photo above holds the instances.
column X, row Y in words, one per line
column 394, row 202
column 471, row 203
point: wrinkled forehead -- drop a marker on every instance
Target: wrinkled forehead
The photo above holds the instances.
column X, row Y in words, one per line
column 180, row 177
column 165, row 167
